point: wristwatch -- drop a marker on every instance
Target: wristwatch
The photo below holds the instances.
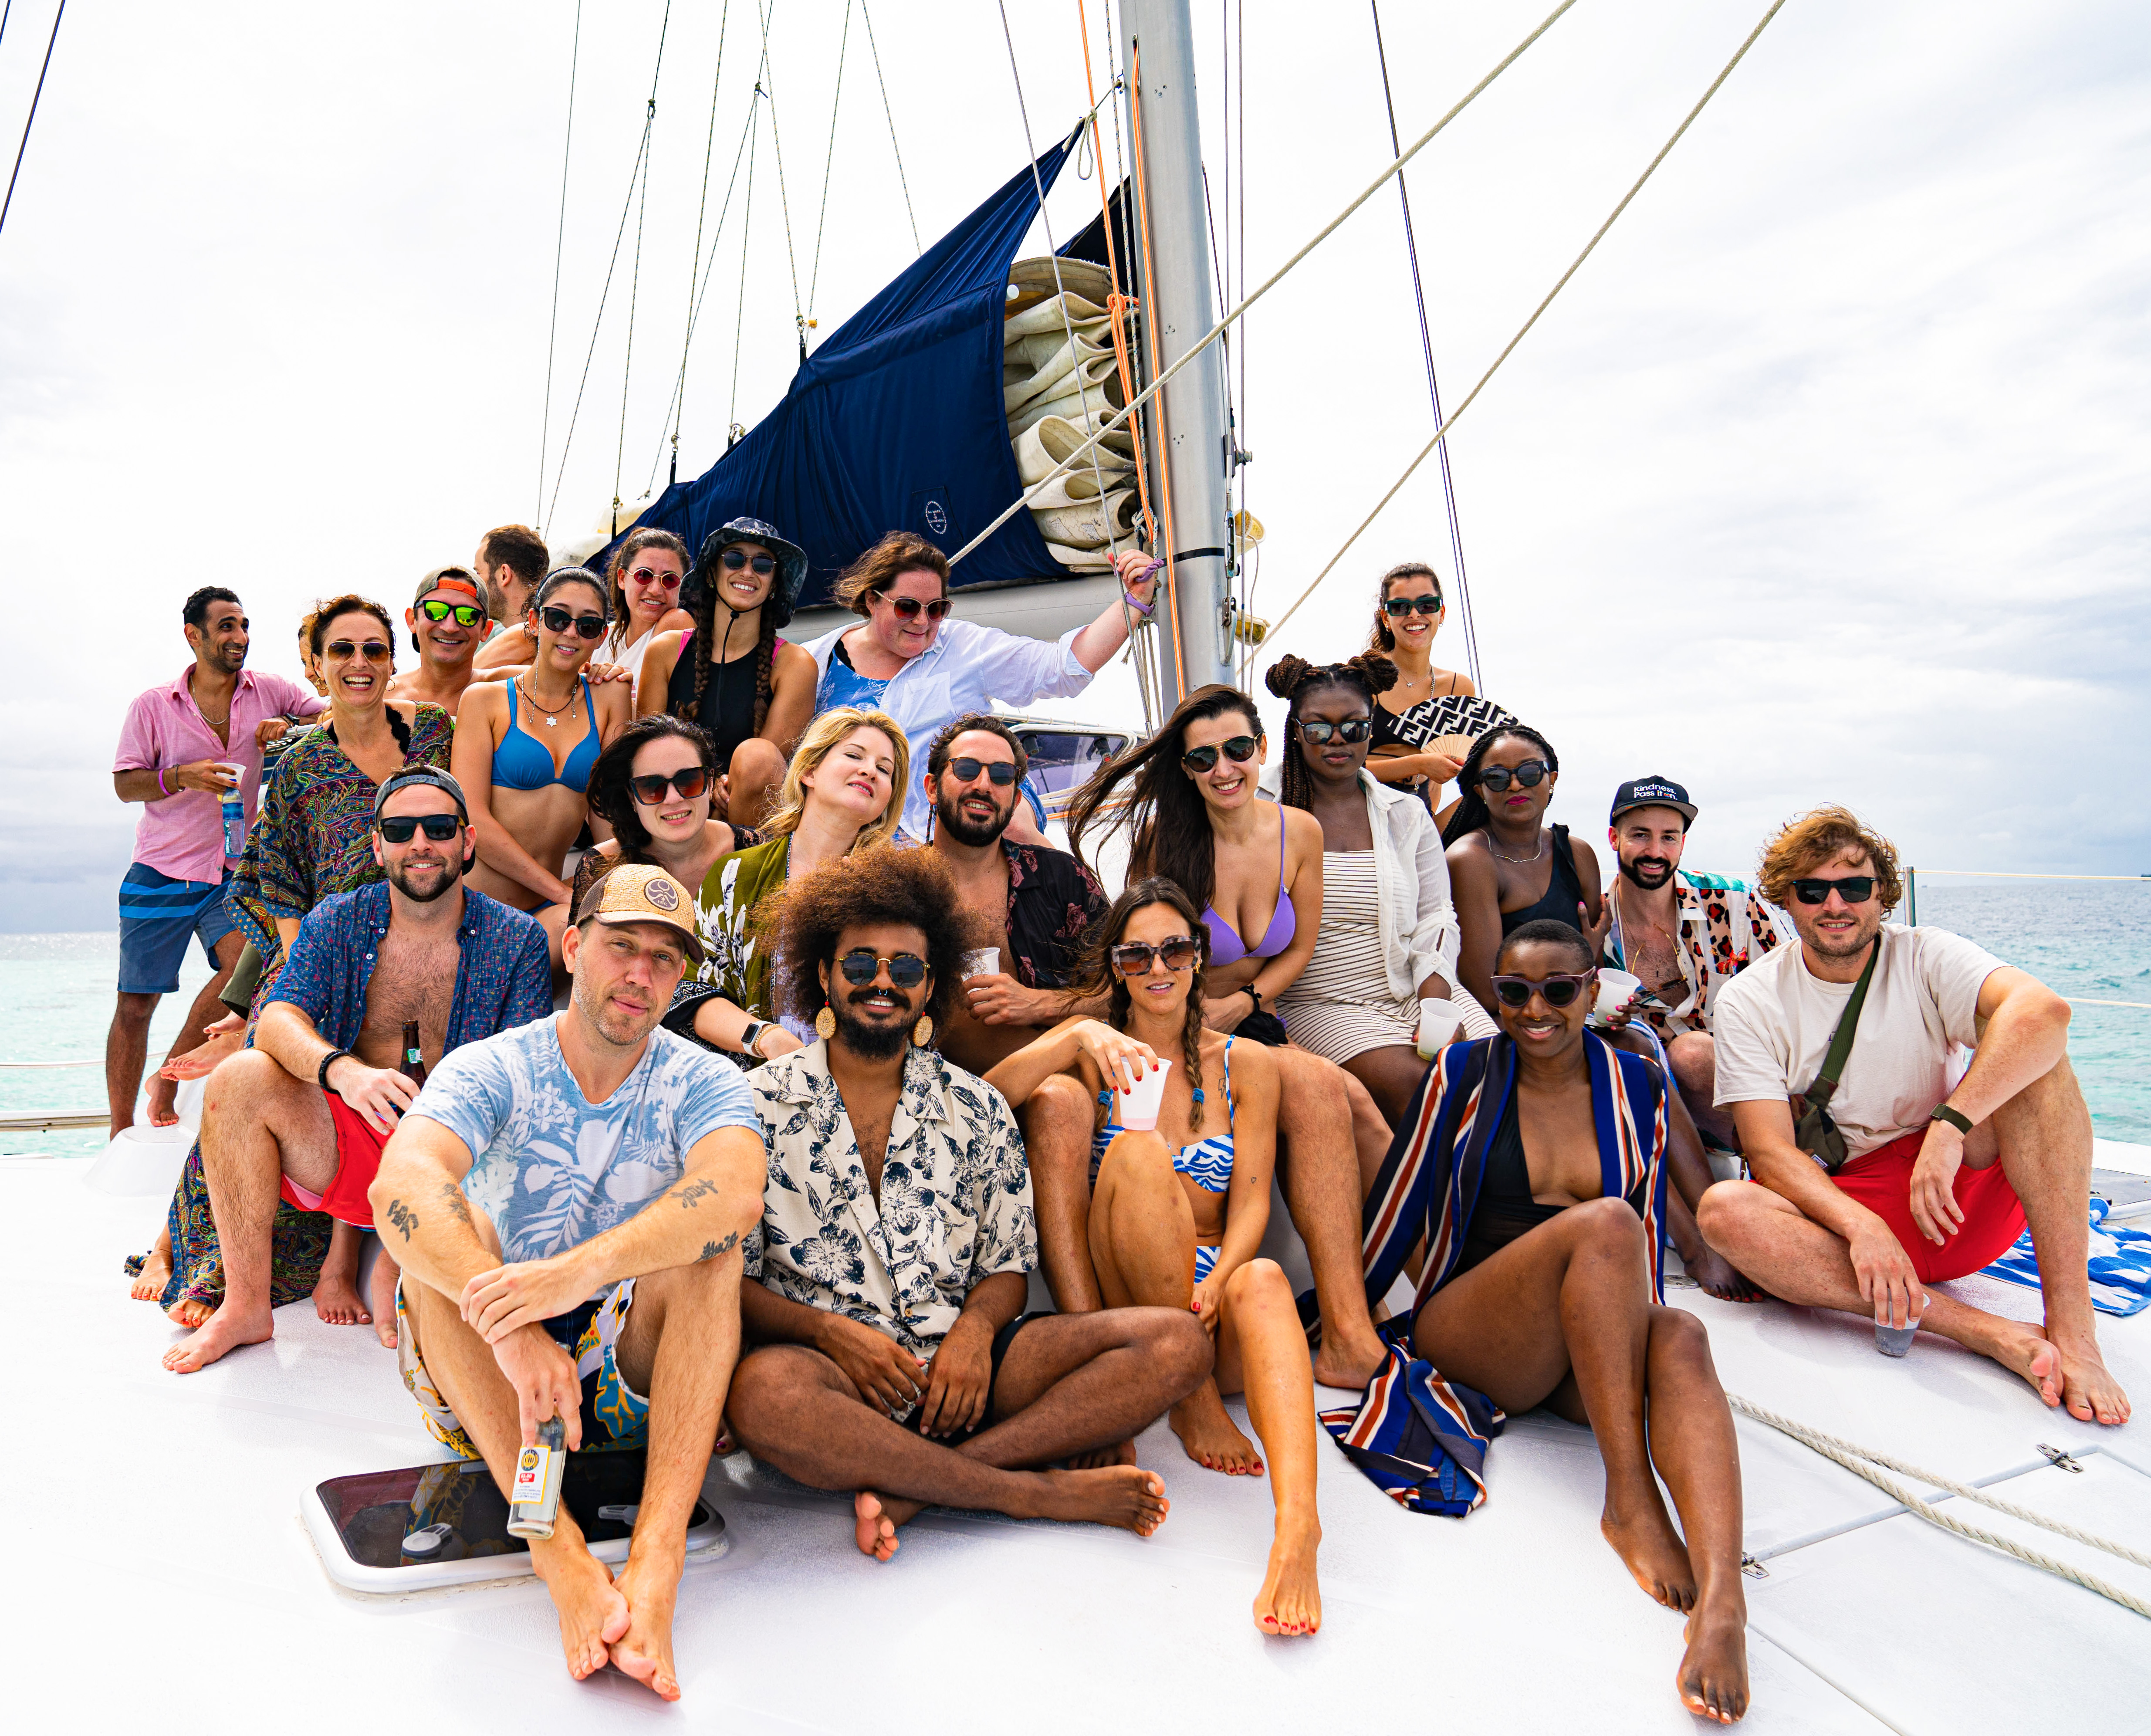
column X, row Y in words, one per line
column 1955, row 1118
column 752, row 1035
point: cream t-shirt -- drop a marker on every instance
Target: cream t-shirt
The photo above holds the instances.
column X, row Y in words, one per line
column 1773, row 1023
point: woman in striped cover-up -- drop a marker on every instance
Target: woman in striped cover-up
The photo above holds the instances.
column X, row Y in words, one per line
column 1533, row 1167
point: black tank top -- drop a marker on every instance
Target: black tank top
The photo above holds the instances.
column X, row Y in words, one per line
column 727, row 707
column 1505, row 1209
column 1564, row 892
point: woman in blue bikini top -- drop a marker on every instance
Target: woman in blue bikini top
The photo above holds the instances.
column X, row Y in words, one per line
column 524, row 749
column 1179, row 1202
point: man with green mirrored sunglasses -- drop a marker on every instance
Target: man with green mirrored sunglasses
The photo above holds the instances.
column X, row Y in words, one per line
column 447, row 620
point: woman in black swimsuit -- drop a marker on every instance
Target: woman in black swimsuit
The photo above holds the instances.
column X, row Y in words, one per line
column 1505, row 867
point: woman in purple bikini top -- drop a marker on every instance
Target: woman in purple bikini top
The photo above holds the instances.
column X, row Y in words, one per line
column 1193, row 816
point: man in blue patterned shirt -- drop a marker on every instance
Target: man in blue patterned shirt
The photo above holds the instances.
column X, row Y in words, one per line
column 303, row 1114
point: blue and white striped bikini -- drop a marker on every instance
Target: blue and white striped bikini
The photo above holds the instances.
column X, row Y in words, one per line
column 1206, row 1162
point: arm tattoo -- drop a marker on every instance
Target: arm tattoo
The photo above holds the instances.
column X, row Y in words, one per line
column 692, row 1193
column 404, row 1218
column 452, row 1196
column 710, row 1250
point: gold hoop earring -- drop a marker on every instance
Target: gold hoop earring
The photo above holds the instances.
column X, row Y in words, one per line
column 922, row 1033
column 825, row 1023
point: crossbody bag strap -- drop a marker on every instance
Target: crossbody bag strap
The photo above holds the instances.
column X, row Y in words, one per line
column 1841, row 1040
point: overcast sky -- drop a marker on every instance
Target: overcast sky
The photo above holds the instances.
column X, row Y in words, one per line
column 1824, row 479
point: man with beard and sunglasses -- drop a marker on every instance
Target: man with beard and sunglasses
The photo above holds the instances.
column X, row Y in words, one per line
column 303, row 1115
column 896, row 1242
column 1028, row 904
column 1879, row 1171
column 1684, row 935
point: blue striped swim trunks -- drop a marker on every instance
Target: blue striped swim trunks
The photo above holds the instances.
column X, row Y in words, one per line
column 158, row 915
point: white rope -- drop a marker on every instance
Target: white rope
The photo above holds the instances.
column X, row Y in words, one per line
column 1860, row 1461
column 1442, row 432
column 1266, row 285
column 12, row 1066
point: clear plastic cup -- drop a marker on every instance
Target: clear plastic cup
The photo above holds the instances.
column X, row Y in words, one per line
column 1896, row 1341
column 1438, row 1024
column 982, row 961
column 1615, row 989
column 1136, row 1111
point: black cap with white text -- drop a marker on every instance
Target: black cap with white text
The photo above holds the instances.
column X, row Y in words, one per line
column 1651, row 792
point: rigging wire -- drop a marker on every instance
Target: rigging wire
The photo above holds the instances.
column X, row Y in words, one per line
column 635, row 279
column 1432, row 385
column 559, row 252
column 1269, row 282
column 8, row 12
column 1157, row 422
column 732, row 428
column 767, row 87
column 828, row 163
column 1441, row 432
column 694, row 260
column 896, row 150
column 28, row 123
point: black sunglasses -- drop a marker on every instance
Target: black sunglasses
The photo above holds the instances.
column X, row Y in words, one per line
column 1397, row 608
column 860, row 967
column 467, row 615
column 397, row 828
column 908, row 607
column 1853, row 888
column 1353, row 729
column 1516, row 992
column 734, row 559
column 690, row 781
column 1002, row 772
column 373, row 651
column 1239, row 749
column 1530, row 774
column 557, row 620
column 1132, row 957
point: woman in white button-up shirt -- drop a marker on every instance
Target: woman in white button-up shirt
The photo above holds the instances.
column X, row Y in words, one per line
column 908, row 660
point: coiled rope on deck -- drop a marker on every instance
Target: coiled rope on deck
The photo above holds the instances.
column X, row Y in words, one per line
column 1861, row 1461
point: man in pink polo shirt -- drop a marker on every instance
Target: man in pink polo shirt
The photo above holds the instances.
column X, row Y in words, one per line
column 175, row 750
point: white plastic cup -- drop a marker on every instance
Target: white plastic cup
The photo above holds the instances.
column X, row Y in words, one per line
column 1438, row 1024
column 982, row 961
column 1615, row 989
column 1136, row 1111
column 1895, row 1340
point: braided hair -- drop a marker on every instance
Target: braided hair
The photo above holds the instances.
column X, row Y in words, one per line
column 1096, row 974
column 1291, row 679
column 1471, row 812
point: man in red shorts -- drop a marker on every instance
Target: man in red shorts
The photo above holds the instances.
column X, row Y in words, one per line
column 301, row 1116
column 1935, row 1182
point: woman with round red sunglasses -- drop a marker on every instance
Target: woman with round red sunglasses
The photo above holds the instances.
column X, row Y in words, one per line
column 525, row 748
column 646, row 574
column 655, row 785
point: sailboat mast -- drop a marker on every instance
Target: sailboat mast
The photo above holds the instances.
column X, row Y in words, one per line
column 1171, row 254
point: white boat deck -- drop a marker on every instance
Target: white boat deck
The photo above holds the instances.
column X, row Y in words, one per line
column 159, row 1547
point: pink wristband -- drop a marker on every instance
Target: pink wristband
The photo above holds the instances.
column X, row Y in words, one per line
column 161, row 790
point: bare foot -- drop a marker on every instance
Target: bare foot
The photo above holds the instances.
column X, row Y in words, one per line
column 336, row 1300
column 189, row 1312
column 1101, row 1457
column 875, row 1531
column 1125, row 1496
column 2024, row 1352
column 1721, row 1278
column 227, row 1036
column 644, row 1651
column 1713, row 1672
column 1653, row 1552
column 227, row 1330
column 1208, row 1431
column 162, row 1098
column 2089, row 1392
column 381, row 1297
column 1290, row 1601
column 594, row 1615
column 1348, row 1360
column 156, row 1272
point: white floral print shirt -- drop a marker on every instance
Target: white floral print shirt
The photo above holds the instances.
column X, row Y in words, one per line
column 955, row 1204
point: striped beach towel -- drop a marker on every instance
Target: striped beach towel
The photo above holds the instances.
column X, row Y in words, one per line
column 2120, row 1265
column 1421, row 1439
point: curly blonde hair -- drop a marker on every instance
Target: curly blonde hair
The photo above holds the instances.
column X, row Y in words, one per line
column 1805, row 843
column 817, row 744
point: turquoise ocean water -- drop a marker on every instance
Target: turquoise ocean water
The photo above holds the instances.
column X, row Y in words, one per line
column 2090, row 941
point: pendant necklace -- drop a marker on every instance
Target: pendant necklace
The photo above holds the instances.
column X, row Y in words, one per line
column 552, row 717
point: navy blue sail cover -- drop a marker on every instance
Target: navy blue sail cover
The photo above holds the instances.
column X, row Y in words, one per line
column 896, row 422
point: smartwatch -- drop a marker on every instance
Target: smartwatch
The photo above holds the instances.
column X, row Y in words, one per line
column 752, row 1035
column 1955, row 1118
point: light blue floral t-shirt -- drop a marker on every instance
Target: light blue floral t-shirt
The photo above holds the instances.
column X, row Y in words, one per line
column 552, row 1169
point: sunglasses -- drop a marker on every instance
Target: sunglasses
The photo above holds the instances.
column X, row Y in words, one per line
column 1516, row 992
column 1132, row 957
column 688, row 781
column 1353, row 729
column 373, row 651
column 908, row 607
column 734, row 559
column 860, row 967
column 1853, row 888
column 1530, row 774
column 467, row 615
column 1239, row 749
column 398, row 827
column 558, row 620
column 1002, row 772
column 651, row 575
column 1397, row 608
